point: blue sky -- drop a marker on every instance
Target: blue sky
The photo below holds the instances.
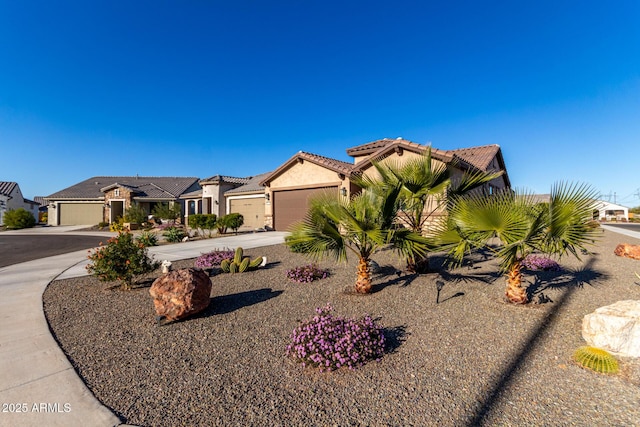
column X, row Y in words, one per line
column 199, row 88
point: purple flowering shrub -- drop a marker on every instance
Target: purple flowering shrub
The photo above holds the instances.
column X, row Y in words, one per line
column 329, row 342
column 307, row 273
column 213, row 258
column 540, row 263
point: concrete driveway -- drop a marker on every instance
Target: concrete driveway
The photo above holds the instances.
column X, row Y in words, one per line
column 18, row 246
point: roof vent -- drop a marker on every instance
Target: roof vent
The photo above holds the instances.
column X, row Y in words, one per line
column 398, row 138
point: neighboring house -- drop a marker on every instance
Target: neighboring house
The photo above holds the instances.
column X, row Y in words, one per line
column 272, row 200
column 606, row 211
column 222, row 195
column 11, row 198
column 106, row 198
column 42, row 209
column 289, row 186
column 602, row 211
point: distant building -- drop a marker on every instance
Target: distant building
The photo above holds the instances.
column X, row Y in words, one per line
column 606, row 211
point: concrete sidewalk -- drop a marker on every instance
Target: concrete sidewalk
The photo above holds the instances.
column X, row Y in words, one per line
column 38, row 385
column 623, row 231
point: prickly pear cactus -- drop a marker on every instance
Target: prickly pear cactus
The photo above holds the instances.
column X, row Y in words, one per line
column 596, row 359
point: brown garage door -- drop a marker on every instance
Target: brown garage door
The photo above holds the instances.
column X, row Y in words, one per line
column 80, row 213
column 251, row 209
column 291, row 206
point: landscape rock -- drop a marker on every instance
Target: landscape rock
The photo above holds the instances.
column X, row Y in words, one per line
column 181, row 293
column 628, row 251
column 615, row 328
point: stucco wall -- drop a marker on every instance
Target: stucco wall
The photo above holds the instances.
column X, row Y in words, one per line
column 300, row 175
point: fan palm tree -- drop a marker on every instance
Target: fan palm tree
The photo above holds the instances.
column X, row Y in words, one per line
column 335, row 225
column 417, row 188
column 522, row 225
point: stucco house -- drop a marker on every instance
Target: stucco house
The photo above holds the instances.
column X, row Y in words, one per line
column 222, row 195
column 11, row 198
column 272, row 200
column 105, row 198
column 289, row 186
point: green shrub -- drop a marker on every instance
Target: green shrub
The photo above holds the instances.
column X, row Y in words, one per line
column 232, row 221
column 121, row 259
column 166, row 211
column 203, row 222
column 19, row 218
column 135, row 214
column 174, row 234
column 147, row 238
column 103, row 224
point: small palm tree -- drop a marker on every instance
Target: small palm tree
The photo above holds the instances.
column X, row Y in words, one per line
column 522, row 225
column 336, row 225
column 416, row 189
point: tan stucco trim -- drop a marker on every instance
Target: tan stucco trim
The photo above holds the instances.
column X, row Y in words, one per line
column 304, row 187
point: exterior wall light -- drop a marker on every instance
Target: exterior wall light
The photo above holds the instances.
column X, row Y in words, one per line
column 343, row 191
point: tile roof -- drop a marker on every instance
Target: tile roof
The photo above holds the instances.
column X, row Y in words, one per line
column 217, row 179
column 370, row 147
column 7, row 187
column 40, row 200
column 338, row 166
column 146, row 187
column 253, row 185
column 397, row 145
column 480, row 157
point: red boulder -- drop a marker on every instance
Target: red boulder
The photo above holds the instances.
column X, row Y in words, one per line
column 628, row 251
column 181, row 293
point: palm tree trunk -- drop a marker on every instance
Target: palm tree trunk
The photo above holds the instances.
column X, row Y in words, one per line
column 363, row 282
column 419, row 265
column 515, row 293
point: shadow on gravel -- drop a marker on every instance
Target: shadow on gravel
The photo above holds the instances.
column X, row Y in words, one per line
column 547, row 280
column 569, row 282
column 394, row 338
column 229, row 303
column 396, row 277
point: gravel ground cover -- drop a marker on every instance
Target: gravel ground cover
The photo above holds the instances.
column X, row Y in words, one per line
column 467, row 359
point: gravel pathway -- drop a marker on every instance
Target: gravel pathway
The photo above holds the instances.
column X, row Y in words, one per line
column 469, row 360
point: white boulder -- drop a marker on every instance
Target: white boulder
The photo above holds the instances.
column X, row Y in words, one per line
column 615, row 328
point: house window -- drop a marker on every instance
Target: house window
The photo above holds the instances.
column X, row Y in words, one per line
column 116, row 192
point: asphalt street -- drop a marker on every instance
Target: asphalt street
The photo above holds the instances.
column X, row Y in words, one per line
column 15, row 249
column 632, row 226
